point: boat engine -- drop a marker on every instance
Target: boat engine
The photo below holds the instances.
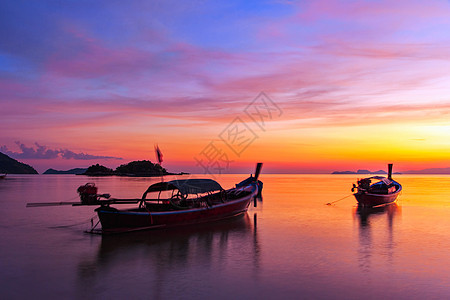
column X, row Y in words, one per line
column 88, row 193
column 364, row 184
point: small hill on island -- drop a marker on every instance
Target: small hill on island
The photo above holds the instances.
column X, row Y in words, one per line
column 142, row 168
column 99, row 170
column 12, row 166
column 76, row 171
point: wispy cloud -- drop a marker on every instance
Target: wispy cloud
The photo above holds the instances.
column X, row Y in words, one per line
column 43, row 152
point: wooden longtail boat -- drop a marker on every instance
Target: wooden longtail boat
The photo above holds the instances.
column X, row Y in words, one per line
column 189, row 201
column 383, row 191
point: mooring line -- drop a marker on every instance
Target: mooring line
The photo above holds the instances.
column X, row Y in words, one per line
column 329, row 203
column 77, row 224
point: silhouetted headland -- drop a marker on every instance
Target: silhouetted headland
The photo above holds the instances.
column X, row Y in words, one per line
column 12, row 166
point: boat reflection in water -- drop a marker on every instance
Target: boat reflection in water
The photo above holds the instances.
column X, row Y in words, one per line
column 376, row 234
column 168, row 259
column 365, row 213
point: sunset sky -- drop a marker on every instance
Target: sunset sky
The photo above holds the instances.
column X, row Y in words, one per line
column 303, row 86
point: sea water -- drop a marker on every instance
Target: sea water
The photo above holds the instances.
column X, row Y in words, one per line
column 291, row 246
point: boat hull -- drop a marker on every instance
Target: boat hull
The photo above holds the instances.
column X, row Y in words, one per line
column 116, row 221
column 367, row 199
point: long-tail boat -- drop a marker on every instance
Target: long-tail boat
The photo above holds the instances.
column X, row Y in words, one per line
column 383, row 191
column 188, row 201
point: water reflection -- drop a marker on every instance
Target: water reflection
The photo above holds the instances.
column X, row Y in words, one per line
column 376, row 234
column 365, row 213
column 161, row 256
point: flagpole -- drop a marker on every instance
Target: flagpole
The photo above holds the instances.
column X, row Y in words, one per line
column 159, row 158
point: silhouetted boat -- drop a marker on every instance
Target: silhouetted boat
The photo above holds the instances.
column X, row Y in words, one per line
column 189, row 201
column 3, row 176
column 383, row 191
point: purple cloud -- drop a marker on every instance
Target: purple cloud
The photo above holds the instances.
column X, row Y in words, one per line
column 43, row 152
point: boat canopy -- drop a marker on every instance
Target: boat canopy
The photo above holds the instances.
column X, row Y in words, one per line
column 186, row 186
column 385, row 180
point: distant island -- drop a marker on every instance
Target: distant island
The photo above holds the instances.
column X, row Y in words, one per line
column 12, row 166
column 363, row 172
column 76, row 171
column 143, row 168
column 431, row 171
column 437, row 171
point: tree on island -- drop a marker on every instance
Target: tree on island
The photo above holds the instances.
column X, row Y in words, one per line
column 99, row 170
column 141, row 168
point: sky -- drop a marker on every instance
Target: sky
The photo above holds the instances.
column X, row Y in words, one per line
column 303, row 86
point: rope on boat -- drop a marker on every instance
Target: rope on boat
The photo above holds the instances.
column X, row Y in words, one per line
column 149, row 213
column 76, row 224
column 330, row 203
column 92, row 224
column 73, row 198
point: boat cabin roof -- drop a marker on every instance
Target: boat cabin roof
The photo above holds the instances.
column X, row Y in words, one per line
column 385, row 180
column 186, row 186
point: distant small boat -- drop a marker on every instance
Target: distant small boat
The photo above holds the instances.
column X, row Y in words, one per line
column 3, row 176
column 383, row 191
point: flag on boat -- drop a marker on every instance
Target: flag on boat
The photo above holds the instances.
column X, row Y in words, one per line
column 159, row 155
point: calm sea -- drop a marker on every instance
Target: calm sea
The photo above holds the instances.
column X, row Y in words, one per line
column 291, row 246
